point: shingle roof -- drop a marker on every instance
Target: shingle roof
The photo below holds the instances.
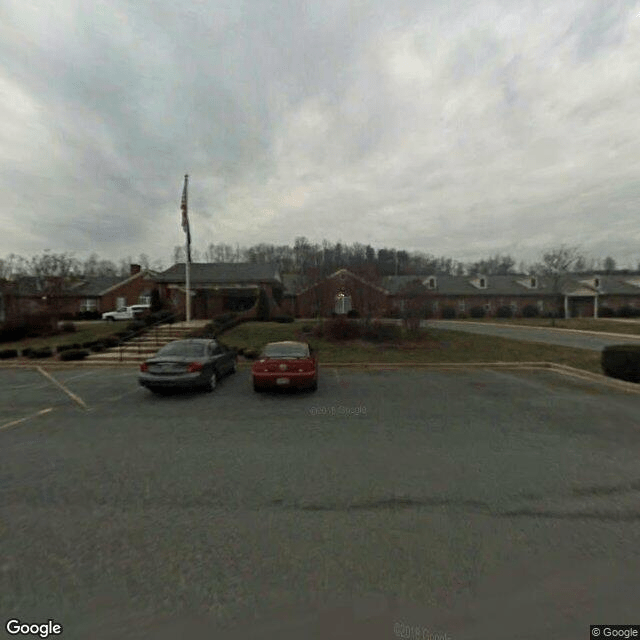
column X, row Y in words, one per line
column 294, row 282
column 221, row 273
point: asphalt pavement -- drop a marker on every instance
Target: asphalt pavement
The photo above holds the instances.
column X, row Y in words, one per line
column 464, row 504
column 562, row 337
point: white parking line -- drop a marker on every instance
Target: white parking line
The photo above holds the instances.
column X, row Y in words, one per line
column 19, row 421
column 337, row 376
column 72, row 395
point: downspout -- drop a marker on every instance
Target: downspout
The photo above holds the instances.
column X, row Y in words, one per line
column 566, row 306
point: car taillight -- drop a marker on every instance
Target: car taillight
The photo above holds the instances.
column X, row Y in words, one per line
column 195, row 366
column 144, row 367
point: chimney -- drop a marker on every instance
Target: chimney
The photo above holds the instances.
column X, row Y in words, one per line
column 135, row 268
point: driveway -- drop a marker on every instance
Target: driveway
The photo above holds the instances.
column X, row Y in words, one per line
column 562, row 337
column 465, row 504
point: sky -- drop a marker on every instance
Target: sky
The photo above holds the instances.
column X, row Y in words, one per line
column 458, row 128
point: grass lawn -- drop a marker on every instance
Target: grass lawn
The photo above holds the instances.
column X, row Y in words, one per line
column 431, row 345
column 582, row 324
column 84, row 333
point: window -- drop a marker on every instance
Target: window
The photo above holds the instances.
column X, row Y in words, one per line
column 343, row 303
column 435, row 307
column 432, row 283
column 89, row 304
column 144, row 299
column 487, row 307
column 461, row 305
column 541, row 305
column 534, row 283
column 596, row 282
column 483, row 283
column 121, row 302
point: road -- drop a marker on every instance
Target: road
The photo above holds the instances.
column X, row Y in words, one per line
column 561, row 337
column 472, row 504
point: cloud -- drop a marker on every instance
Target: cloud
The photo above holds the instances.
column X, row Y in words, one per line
column 460, row 129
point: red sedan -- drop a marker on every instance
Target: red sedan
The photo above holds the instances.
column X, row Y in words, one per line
column 285, row 365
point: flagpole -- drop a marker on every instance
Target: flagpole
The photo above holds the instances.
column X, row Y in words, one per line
column 187, row 258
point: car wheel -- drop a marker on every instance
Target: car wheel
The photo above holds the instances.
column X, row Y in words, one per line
column 110, row 319
column 256, row 388
column 314, row 386
column 234, row 367
column 213, row 381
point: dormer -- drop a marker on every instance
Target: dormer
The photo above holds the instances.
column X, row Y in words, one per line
column 594, row 282
column 530, row 282
column 430, row 282
column 480, row 282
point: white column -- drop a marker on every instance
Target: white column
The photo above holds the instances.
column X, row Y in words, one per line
column 595, row 307
column 566, row 307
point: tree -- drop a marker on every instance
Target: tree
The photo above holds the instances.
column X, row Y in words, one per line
column 263, row 311
column 556, row 264
column 609, row 265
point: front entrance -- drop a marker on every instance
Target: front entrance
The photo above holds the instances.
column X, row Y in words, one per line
column 581, row 306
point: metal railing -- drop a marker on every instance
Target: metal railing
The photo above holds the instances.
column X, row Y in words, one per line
column 145, row 330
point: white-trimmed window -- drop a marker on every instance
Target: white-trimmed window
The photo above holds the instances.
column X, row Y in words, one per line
column 343, row 304
column 435, row 307
column 596, row 282
column 540, row 306
column 121, row 302
column 89, row 304
column 431, row 283
column 483, row 283
column 533, row 282
column 487, row 307
column 144, row 299
column 461, row 305
column 514, row 307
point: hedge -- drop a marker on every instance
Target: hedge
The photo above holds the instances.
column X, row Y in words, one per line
column 8, row 353
column 74, row 354
column 622, row 361
column 43, row 352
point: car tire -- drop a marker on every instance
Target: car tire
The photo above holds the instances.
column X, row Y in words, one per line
column 314, row 386
column 257, row 388
column 110, row 319
column 234, row 367
column 213, row 381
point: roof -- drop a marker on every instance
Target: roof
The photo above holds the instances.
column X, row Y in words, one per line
column 515, row 285
column 294, row 282
column 345, row 272
column 221, row 273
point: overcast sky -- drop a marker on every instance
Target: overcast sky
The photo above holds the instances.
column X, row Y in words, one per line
column 455, row 128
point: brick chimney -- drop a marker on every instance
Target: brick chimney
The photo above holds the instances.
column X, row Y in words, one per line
column 135, row 268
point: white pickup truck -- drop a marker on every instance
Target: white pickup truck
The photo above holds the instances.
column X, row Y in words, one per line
column 126, row 313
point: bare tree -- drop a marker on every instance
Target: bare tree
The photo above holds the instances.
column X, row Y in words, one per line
column 555, row 266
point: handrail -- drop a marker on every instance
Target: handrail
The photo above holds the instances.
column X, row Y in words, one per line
column 144, row 330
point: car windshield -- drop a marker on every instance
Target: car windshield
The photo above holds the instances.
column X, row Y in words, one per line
column 285, row 351
column 186, row 349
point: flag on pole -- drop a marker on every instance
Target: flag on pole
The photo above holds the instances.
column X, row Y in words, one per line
column 185, row 218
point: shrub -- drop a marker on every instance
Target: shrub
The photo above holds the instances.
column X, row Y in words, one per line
column 68, row 327
column 64, row 347
column 342, row 329
column 353, row 314
column 263, row 311
column 504, row 312
column 136, row 325
column 42, row 352
column 74, row 354
column 110, row 341
column 89, row 315
column 605, row 312
column 13, row 333
column 628, row 312
column 382, row 332
column 251, row 354
column 530, row 311
column 97, row 347
column 477, row 312
column 89, row 343
column 448, row 313
column 282, row 318
column 25, row 352
column 622, row 361
column 8, row 353
column 306, row 328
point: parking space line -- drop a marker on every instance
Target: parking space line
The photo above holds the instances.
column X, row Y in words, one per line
column 13, row 423
column 72, row 395
column 337, row 376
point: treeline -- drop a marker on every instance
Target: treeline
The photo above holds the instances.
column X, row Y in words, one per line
column 305, row 258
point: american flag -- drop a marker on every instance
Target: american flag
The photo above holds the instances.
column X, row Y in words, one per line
column 185, row 218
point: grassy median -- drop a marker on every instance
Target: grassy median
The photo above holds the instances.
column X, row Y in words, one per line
column 428, row 346
column 580, row 324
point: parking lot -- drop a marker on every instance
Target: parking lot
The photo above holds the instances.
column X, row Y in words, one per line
column 498, row 502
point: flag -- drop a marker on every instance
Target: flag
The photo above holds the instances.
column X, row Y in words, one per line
column 185, row 218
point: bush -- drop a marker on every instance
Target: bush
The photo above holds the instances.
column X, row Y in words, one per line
column 161, row 316
column 628, row 312
column 282, row 318
column 74, row 354
column 64, row 347
column 25, row 352
column 306, row 328
column 68, row 327
column 110, row 341
column 448, row 313
column 622, row 361
column 13, row 333
column 353, row 314
column 42, row 352
column 89, row 343
column 530, row 311
column 342, row 329
column 136, row 325
column 382, row 332
column 251, row 354
column 504, row 312
column 8, row 353
column 605, row 312
column 477, row 312
column 89, row 315
column 97, row 347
